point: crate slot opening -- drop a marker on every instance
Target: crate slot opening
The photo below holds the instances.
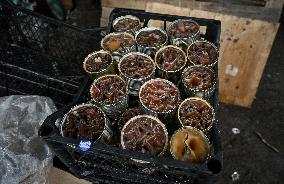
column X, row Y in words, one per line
column 214, row 166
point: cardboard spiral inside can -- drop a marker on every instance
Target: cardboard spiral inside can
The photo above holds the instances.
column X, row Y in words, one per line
column 183, row 143
column 132, row 30
column 116, row 47
column 106, row 134
column 145, row 126
column 167, row 116
column 134, row 83
column 150, row 49
column 185, row 40
column 172, row 75
column 112, row 108
column 202, row 52
column 108, row 69
column 195, row 91
column 201, row 125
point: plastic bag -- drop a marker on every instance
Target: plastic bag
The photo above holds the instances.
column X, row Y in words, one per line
column 24, row 157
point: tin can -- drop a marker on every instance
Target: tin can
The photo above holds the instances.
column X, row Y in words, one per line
column 135, row 79
column 201, row 84
column 197, row 113
column 118, row 44
column 178, row 58
column 133, row 24
column 144, row 128
column 190, row 145
column 151, row 48
column 203, row 53
column 109, row 92
column 98, row 58
column 104, row 129
column 183, row 32
column 164, row 101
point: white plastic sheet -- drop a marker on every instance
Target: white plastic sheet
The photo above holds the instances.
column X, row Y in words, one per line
column 24, row 157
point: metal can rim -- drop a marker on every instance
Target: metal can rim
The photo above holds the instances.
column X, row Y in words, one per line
column 200, row 99
column 78, row 106
column 195, row 129
column 115, row 21
column 167, row 81
column 210, row 43
column 141, row 54
column 184, row 20
column 153, row 118
column 94, row 53
column 150, row 29
column 170, row 46
column 116, row 33
column 199, row 90
column 108, row 75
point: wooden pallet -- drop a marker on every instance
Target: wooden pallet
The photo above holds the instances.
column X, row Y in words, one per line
column 269, row 10
column 245, row 47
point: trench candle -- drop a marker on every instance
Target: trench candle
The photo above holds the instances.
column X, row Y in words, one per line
column 202, row 53
column 197, row 113
column 170, row 61
column 127, row 23
column 118, row 44
column 146, row 134
column 190, row 145
column 98, row 63
column 86, row 121
column 199, row 81
column 136, row 68
column 183, row 32
column 109, row 92
column 160, row 98
column 150, row 39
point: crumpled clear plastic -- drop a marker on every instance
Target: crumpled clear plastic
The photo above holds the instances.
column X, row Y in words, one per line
column 24, row 157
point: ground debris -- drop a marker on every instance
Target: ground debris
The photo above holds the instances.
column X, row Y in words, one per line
column 265, row 142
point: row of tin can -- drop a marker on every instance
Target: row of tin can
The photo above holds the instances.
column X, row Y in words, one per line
column 172, row 118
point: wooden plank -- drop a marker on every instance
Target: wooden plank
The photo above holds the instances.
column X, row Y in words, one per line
column 104, row 22
column 271, row 12
column 245, row 47
column 105, row 16
column 58, row 176
column 106, row 12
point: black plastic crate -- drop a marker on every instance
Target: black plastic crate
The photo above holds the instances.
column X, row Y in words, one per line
column 110, row 164
column 42, row 56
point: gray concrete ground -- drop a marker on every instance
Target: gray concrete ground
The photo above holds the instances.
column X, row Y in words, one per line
column 245, row 153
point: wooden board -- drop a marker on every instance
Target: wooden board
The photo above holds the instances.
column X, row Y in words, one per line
column 58, row 176
column 245, row 47
column 105, row 16
column 270, row 12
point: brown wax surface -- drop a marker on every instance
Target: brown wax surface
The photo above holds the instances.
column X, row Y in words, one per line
column 84, row 123
column 151, row 38
column 183, row 29
column 199, row 78
column 108, row 89
column 136, row 66
column 196, row 113
column 98, row 62
column 126, row 24
column 127, row 115
column 190, row 146
column 145, row 135
column 202, row 53
column 159, row 96
column 118, row 42
column 170, row 59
